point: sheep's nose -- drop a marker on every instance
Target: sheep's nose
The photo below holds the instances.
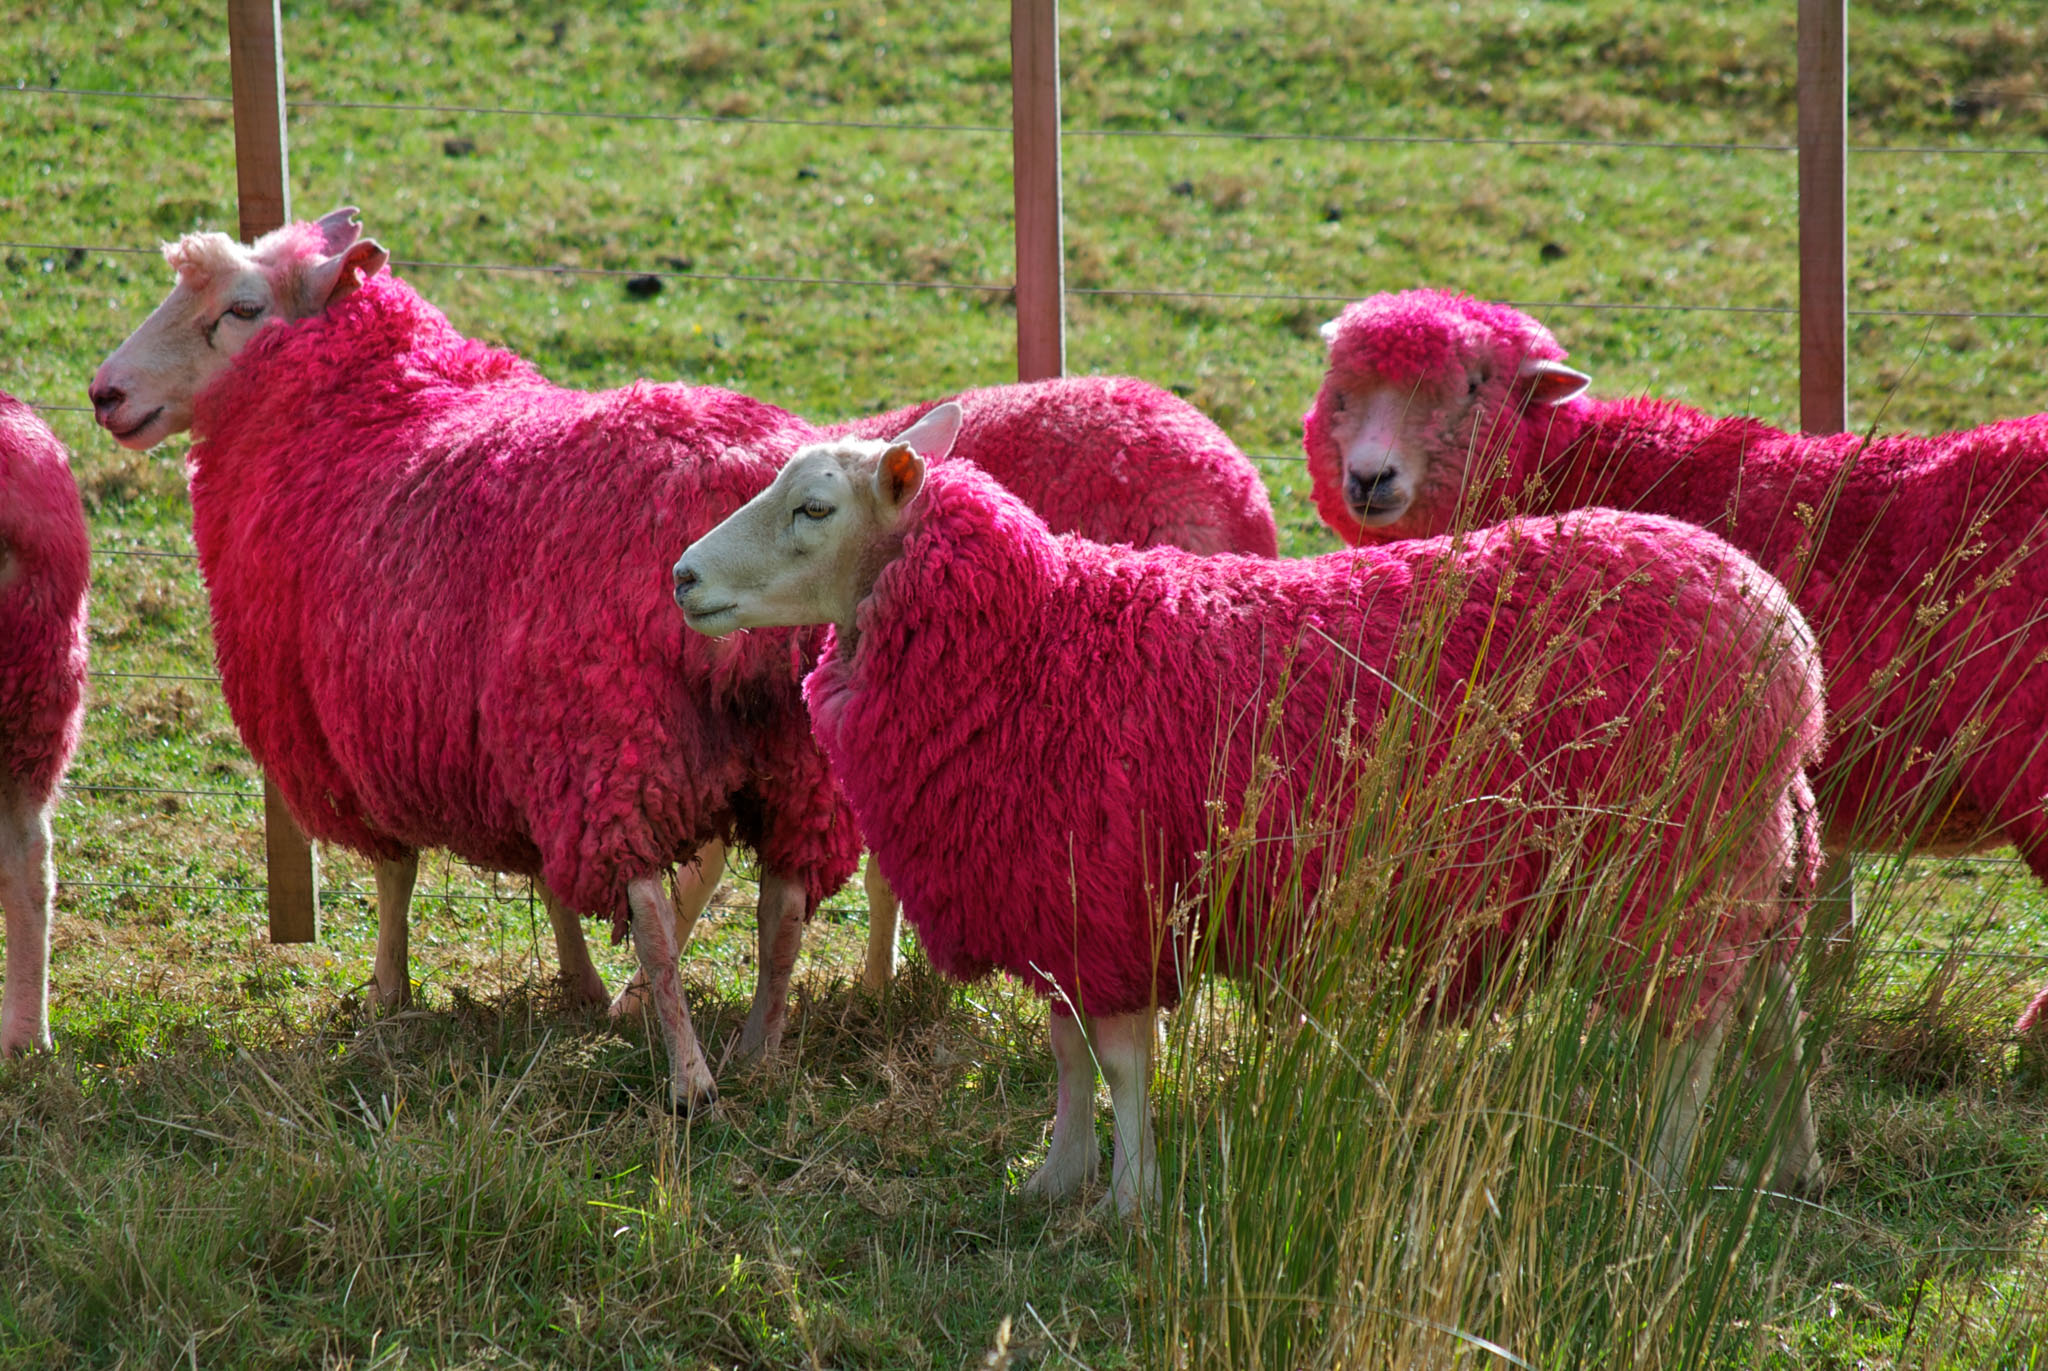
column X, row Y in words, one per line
column 1367, row 494
column 105, row 399
column 685, row 578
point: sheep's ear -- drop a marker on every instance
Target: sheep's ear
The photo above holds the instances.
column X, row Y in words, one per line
column 1329, row 332
column 932, row 436
column 340, row 227
column 333, row 279
column 899, row 476
column 1551, row 383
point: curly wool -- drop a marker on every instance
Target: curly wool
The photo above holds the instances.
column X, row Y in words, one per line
column 1113, row 459
column 441, row 607
column 1924, row 582
column 1029, row 727
column 44, row 568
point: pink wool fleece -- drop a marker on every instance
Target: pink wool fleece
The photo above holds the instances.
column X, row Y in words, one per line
column 1926, row 584
column 44, row 567
column 440, row 593
column 1113, row 459
column 1029, row 728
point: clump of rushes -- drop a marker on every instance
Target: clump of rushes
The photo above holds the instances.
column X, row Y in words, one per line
column 1417, row 1159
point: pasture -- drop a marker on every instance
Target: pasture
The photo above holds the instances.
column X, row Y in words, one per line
column 230, row 1162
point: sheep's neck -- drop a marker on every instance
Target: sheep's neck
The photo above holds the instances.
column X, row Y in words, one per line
column 872, row 564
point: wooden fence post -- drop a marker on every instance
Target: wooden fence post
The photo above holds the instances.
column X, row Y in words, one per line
column 1823, row 215
column 1824, row 309
column 1035, row 154
column 263, row 184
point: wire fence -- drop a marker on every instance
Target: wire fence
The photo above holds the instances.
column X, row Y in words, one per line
column 911, row 126
column 116, row 789
column 1130, row 292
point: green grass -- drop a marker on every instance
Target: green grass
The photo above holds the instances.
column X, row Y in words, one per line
column 228, row 1164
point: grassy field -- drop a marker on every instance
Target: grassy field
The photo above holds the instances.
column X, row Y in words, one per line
column 229, row 1163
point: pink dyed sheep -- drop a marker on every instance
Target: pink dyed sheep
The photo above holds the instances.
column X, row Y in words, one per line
column 1113, row 459
column 43, row 573
column 1110, row 458
column 440, row 606
column 1917, row 559
column 1049, row 720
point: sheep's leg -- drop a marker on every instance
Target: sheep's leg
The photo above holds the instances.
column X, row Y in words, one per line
column 581, row 984
column 883, row 928
column 1072, row 1160
column 779, row 934
column 698, row 882
column 391, row 973
column 1832, row 924
column 1796, row 1165
column 27, row 882
column 658, row 940
column 1123, row 1045
column 1681, row 1096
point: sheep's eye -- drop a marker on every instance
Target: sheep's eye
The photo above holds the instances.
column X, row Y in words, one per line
column 243, row 309
column 1472, row 385
column 814, row 509
column 1337, row 402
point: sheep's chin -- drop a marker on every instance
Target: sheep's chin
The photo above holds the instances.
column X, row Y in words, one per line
column 714, row 623
column 155, row 426
column 1380, row 516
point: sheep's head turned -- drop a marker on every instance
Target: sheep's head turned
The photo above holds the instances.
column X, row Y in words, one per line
column 1426, row 392
column 808, row 548
column 225, row 293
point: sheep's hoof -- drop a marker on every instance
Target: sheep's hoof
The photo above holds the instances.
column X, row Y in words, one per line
column 1795, row 1182
column 697, row 1110
column 1116, row 1208
column 1803, row 1182
column 584, row 992
column 632, row 1011
column 756, row 1042
column 1059, row 1181
column 12, row 1047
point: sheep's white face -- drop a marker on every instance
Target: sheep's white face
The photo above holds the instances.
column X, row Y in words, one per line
column 1400, row 445
column 807, row 549
column 144, row 392
column 1381, row 452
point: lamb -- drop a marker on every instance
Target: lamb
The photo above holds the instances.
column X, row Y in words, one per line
column 43, row 573
column 366, row 486
column 997, row 700
column 1917, row 559
column 1113, row 459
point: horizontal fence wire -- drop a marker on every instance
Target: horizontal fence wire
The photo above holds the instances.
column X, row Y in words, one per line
column 562, row 269
column 159, row 790
column 1160, row 292
column 481, row 897
column 209, row 888
column 153, row 676
column 21, row 87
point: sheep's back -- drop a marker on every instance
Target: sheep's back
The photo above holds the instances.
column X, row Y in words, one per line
column 1919, row 562
column 44, row 570
column 1111, row 458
